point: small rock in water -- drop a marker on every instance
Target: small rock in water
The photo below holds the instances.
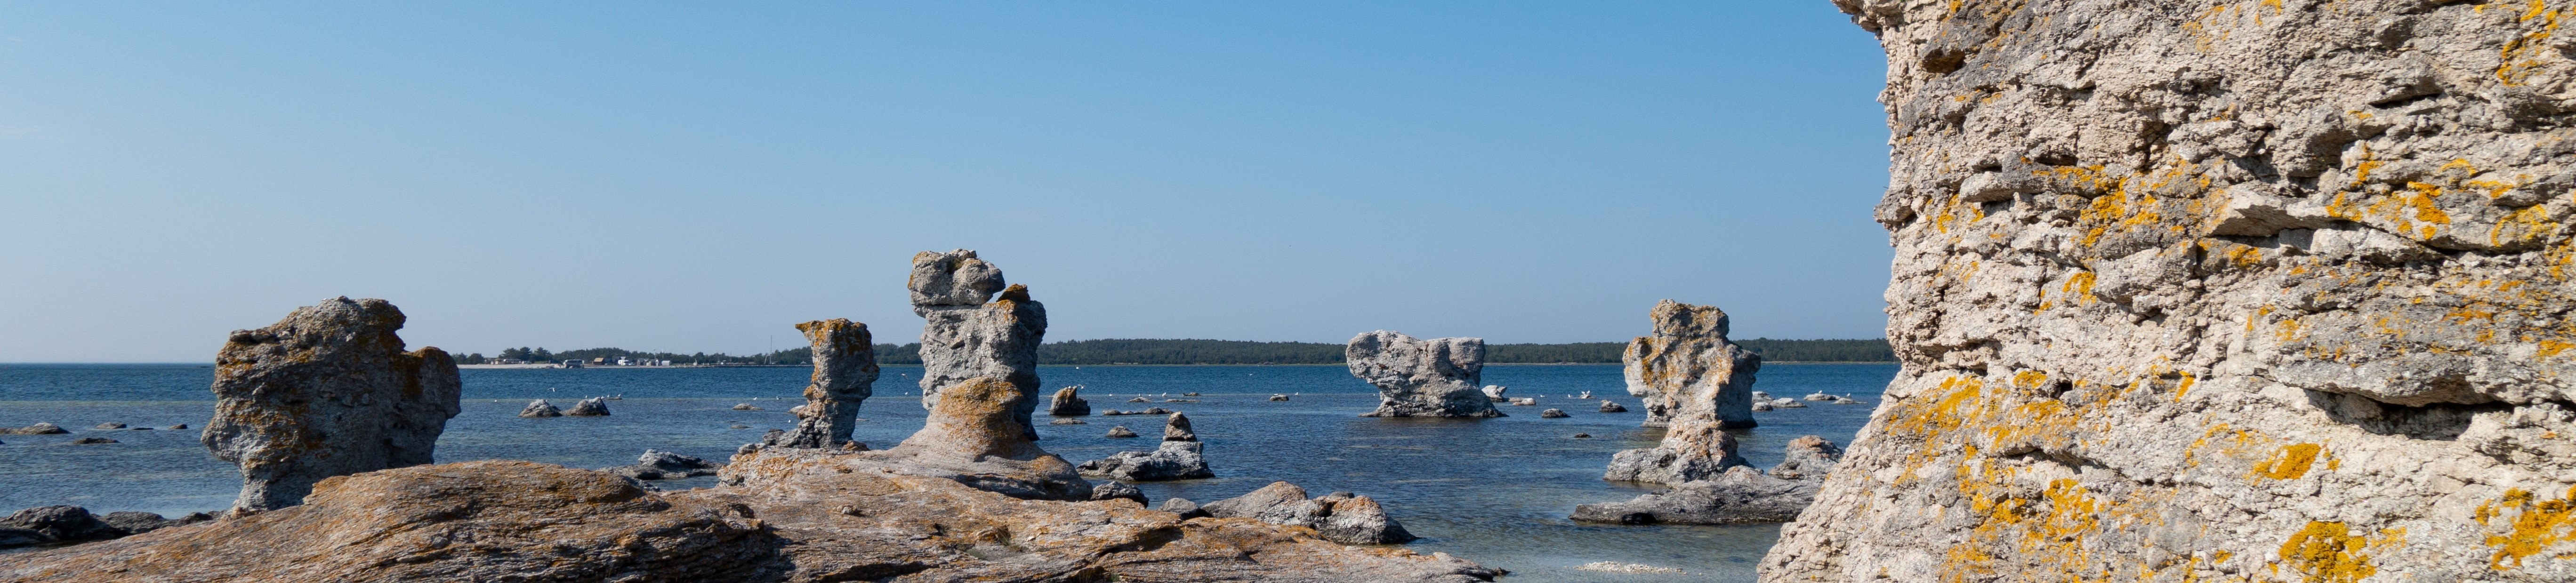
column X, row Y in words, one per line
column 1609, row 406
column 1618, row 567
column 1278, row 397
column 1180, row 400
column 591, row 407
column 39, row 428
column 1525, row 402
column 1553, row 414
column 1068, row 421
column 1847, row 401
column 1583, row 436
column 1494, row 393
column 1761, row 405
column 1068, row 402
column 1118, row 491
column 540, row 408
column 92, row 441
column 109, row 425
column 1121, row 431
column 1819, row 396
column 745, row 407
column 50, row 524
column 1189, row 394
column 662, row 465
column 1787, row 403
column 739, row 426
column 1139, row 400
column 1761, row 396
column 1155, row 411
column 178, row 427
column 140, row 428
column 1183, row 507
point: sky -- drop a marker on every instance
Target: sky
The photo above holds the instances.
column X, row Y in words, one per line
column 701, row 177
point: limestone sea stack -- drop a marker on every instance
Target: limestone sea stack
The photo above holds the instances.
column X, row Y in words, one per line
column 973, row 436
column 1688, row 367
column 1180, row 457
column 328, row 391
column 540, row 408
column 969, row 333
column 2217, row 290
column 1421, row 378
column 845, row 366
column 1068, row 403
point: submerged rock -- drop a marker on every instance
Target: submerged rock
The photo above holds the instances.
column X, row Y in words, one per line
column 1068, row 403
column 1688, row 368
column 328, row 391
column 1140, row 400
column 179, row 426
column 540, row 408
column 92, row 441
column 1738, row 495
column 109, row 425
column 1338, row 517
column 662, row 465
column 746, row 407
column 591, row 407
column 969, row 333
column 1178, row 458
column 1421, row 378
column 1608, row 406
column 845, row 367
column 40, row 428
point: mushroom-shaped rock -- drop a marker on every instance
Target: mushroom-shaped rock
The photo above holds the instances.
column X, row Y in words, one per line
column 1068, row 402
column 1688, row 368
column 591, row 407
column 540, row 408
column 1609, row 406
column 327, row 391
column 845, row 366
column 969, row 333
column 1421, row 378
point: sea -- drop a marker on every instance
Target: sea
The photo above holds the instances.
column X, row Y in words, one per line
column 1495, row 491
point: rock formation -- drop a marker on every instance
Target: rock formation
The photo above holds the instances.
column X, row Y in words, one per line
column 1553, row 414
column 2203, row 290
column 1689, row 368
column 591, row 407
column 1339, row 517
column 1178, row 458
column 40, row 428
column 973, row 436
column 968, row 333
column 1120, row 431
column 1609, row 406
column 70, row 524
column 1421, row 378
column 1068, row 403
column 1694, row 449
column 1736, row 495
column 662, row 465
column 540, row 408
column 93, row 441
column 845, row 365
column 327, row 391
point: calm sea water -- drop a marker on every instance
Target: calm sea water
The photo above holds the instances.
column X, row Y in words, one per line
column 1495, row 491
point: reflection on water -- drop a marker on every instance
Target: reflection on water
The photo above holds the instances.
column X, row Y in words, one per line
column 1495, row 491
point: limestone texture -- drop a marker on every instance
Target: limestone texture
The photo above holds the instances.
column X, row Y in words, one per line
column 2267, row 290
column 591, row 407
column 1737, row 495
column 969, row 333
column 845, row 366
column 1421, row 378
column 540, row 408
column 1694, row 451
column 327, row 391
column 1687, row 368
column 1339, row 517
column 1179, row 457
column 1068, row 403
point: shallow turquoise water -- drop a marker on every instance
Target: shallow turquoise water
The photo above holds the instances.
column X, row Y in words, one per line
column 1495, row 491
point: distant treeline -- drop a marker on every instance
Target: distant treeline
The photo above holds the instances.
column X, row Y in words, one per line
column 1141, row 351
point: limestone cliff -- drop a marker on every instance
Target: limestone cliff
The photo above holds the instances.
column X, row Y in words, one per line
column 327, row 391
column 2218, row 290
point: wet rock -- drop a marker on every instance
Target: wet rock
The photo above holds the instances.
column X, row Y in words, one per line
column 540, row 408
column 40, row 428
column 53, row 524
column 1688, row 368
column 1583, row 436
column 845, row 366
column 591, row 407
column 1179, row 457
column 746, row 407
column 109, row 425
column 1118, row 491
column 1553, row 414
column 1068, row 421
column 1608, row 406
column 1183, row 507
column 92, row 441
column 1421, row 378
column 968, row 332
column 327, row 391
column 1121, row 431
column 1819, row 396
column 1278, row 397
column 1068, row 403
column 662, row 465
column 1338, row 517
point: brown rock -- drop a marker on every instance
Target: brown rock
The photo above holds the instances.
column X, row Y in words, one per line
column 327, row 391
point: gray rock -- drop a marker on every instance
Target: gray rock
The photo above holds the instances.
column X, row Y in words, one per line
column 1140, row 400
column 1278, row 397
column 40, row 428
column 1121, row 431
column 92, row 441
column 1737, row 495
column 591, row 407
column 741, row 426
column 1583, row 436
column 1118, row 491
column 1154, row 411
column 1809, row 457
column 1819, row 396
column 746, row 407
column 1068, row 421
column 1787, row 403
column 134, row 523
column 1068, row 403
column 1608, row 406
column 1339, row 517
column 1495, row 393
column 53, row 524
column 1687, row 368
column 662, row 465
column 968, row 333
column 1525, row 402
column 540, row 408
column 109, row 425
column 178, row 426
column 327, row 391
column 1180, row 457
column 1421, row 378
column 1553, row 414
column 1183, row 507
column 1694, row 451
column 845, row 367
column 973, row 437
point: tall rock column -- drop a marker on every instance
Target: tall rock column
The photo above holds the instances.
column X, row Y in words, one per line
column 2214, row 290
column 1421, row 378
column 1688, row 368
column 845, row 365
column 969, row 333
column 328, row 391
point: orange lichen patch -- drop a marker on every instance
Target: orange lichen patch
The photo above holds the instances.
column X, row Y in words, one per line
column 2328, row 552
column 2523, row 55
column 2530, row 527
column 2029, row 379
column 2553, row 347
column 2522, row 227
column 2290, row 463
column 2184, row 387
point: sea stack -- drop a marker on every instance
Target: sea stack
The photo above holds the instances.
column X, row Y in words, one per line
column 1068, row 403
column 2218, row 290
column 1421, row 378
column 328, row 391
column 845, row 365
column 1689, row 368
column 968, row 333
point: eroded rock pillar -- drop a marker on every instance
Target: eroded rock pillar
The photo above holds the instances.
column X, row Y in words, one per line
column 328, row 391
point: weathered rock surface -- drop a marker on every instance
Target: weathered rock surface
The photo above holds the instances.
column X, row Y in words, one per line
column 1068, row 403
column 1553, row 414
column 1687, row 368
column 1120, row 431
column 1694, row 451
column 1178, row 458
column 108, row 425
column 327, row 391
column 540, row 408
column 93, row 441
column 1118, row 491
column 968, row 333
column 1278, row 397
column 1339, row 517
column 40, row 428
column 973, row 437
column 662, row 465
column 1421, row 378
column 1608, row 406
column 2218, row 290
column 845, row 367
column 591, row 407
column 1737, row 495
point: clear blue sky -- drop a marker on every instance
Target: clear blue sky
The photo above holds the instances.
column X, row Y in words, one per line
column 694, row 177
